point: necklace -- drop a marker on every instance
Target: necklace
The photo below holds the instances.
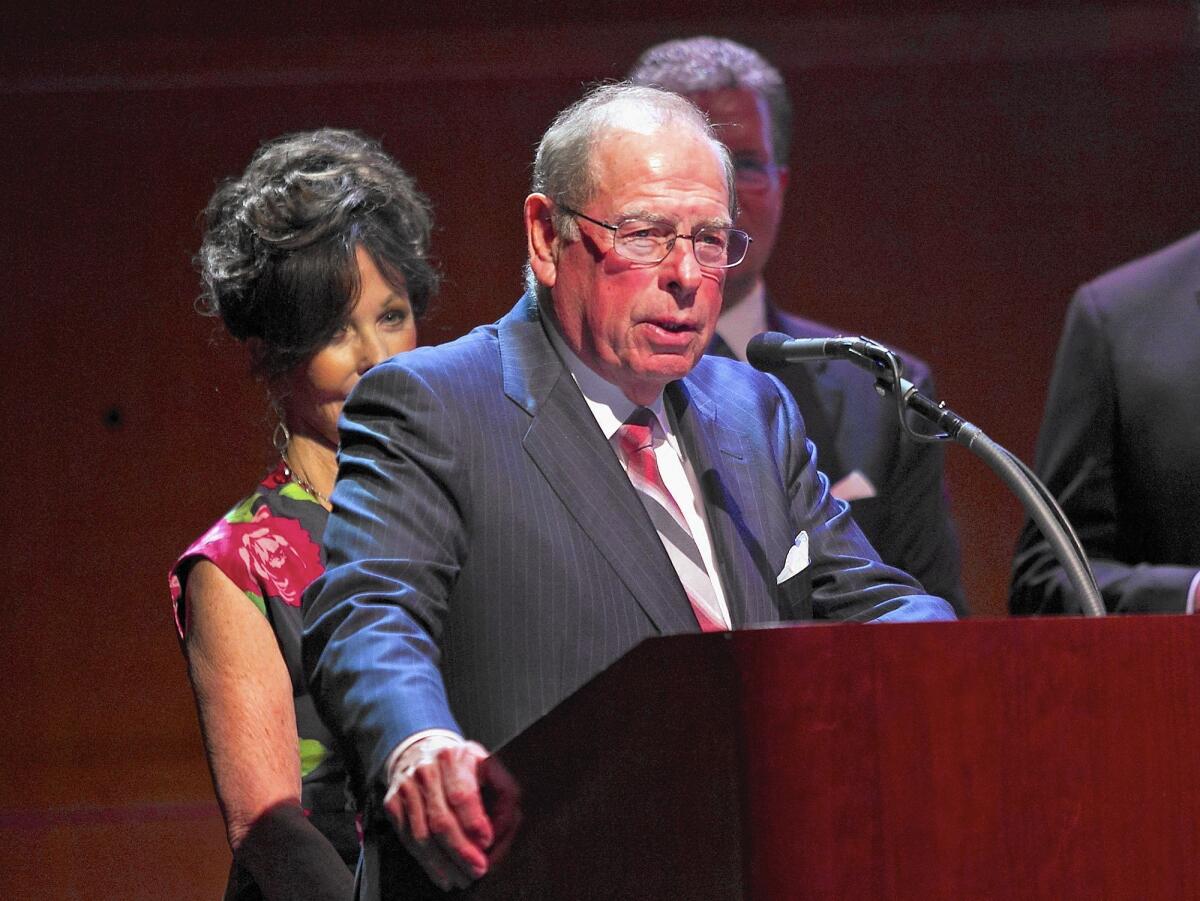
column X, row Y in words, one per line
column 293, row 476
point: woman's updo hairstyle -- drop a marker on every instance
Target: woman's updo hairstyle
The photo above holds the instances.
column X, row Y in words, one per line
column 277, row 260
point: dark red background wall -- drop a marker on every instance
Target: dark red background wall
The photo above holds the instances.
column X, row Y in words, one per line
column 958, row 170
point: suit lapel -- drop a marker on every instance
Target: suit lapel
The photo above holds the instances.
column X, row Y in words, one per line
column 720, row 465
column 569, row 449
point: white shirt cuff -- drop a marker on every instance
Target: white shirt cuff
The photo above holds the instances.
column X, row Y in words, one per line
column 399, row 750
column 1191, row 598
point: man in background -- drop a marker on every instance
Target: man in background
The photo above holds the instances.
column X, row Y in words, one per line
column 894, row 484
column 1120, row 441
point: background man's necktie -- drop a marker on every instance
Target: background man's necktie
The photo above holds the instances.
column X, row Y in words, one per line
column 635, row 439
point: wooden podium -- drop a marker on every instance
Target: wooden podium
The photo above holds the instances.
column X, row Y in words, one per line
column 1051, row 758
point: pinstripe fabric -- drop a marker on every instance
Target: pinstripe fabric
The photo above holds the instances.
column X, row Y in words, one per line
column 487, row 554
column 635, row 440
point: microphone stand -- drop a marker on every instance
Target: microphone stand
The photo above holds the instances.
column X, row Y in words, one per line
column 1034, row 496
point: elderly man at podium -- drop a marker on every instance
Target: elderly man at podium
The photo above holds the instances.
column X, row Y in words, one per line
column 518, row 508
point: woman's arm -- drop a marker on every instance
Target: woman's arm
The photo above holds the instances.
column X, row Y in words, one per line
column 244, row 699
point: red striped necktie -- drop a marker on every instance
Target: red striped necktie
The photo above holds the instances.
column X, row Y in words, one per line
column 635, row 439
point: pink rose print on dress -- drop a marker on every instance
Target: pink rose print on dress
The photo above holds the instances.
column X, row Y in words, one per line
column 279, row 556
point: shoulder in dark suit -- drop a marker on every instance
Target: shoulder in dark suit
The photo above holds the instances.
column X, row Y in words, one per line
column 487, row 553
column 1120, row 440
column 907, row 518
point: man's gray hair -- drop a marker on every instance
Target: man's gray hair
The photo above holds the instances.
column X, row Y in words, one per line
column 564, row 169
column 691, row 65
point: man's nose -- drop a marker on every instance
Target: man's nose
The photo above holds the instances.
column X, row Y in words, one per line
column 681, row 269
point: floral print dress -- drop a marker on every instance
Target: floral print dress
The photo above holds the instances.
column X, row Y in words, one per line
column 269, row 546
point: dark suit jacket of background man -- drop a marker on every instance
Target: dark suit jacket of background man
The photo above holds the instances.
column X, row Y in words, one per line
column 908, row 520
column 1120, row 440
column 490, row 555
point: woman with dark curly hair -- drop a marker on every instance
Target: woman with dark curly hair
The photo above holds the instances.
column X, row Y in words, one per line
column 317, row 259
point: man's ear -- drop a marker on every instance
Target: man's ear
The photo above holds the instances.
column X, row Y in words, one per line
column 784, row 174
column 542, row 239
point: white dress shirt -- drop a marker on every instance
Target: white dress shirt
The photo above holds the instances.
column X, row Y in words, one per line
column 611, row 408
column 739, row 323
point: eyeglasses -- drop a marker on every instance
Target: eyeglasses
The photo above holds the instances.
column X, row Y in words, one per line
column 651, row 241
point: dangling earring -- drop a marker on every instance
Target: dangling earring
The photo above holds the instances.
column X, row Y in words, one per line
column 281, row 437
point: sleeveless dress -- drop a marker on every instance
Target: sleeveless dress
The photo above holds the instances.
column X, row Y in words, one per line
column 269, row 546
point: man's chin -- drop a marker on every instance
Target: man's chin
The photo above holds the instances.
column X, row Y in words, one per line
column 667, row 367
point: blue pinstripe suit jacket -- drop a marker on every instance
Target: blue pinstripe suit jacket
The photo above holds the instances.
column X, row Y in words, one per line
column 487, row 554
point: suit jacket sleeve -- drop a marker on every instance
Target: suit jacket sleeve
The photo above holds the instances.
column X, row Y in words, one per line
column 374, row 619
column 1075, row 458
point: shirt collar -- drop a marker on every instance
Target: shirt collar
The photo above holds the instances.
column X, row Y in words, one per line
column 608, row 403
column 739, row 323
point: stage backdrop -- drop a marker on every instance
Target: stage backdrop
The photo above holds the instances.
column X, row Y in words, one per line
column 957, row 170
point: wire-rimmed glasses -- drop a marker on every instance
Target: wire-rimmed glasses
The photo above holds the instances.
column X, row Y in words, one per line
column 647, row 240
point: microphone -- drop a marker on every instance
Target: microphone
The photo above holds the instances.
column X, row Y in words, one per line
column 774, row 350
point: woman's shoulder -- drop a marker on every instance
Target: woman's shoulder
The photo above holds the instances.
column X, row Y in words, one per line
column 267, row 544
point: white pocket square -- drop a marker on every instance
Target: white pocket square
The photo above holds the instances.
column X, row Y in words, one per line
column 854, row 487
column 797, row 558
